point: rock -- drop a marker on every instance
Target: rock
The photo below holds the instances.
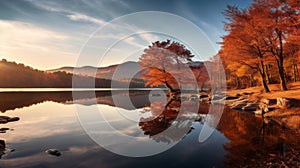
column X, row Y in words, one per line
column 13, row 119
column 239, row 106
column 206, row 99
column 238, row 95
column 217, row 97
column 6, row 119
column 203, row 96
column 283, row 103
column 3, row 130
column 231, row 97
column 2, row 144
column 264, row 107
column 53, row 152
column 2, row 148
column 269, row 101
column 258, row 112
column 251, row 107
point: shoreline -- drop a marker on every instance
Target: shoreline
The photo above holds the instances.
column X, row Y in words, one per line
column 281, row 107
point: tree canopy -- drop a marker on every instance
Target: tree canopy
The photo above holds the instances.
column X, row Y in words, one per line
column 262, row 35
column 166, row 63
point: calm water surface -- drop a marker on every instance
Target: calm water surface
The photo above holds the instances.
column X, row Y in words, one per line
column 49, row 120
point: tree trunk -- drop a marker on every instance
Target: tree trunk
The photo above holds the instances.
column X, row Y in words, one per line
column 295, row 72
column 237, row 83
column 266, row 88
column 263, row 77
column 281, row 74
column 280, row 62
column 170, row 88
column 268, row 74
column 251, row 80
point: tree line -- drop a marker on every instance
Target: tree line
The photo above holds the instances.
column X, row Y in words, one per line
column 15, row 75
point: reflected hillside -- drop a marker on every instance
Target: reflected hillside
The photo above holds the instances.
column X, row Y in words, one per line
column 14, row 100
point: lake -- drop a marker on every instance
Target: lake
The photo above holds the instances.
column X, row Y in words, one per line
column 55, row 120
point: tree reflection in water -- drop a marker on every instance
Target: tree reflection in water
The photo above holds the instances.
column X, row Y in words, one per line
column 167, row 124
column 252, row 140
column 255, row 142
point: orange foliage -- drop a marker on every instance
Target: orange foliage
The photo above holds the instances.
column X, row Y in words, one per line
column 166, row 64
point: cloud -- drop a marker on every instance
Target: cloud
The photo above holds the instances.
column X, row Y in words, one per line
column 81, row 17
column 20, row 31
column 32, row 43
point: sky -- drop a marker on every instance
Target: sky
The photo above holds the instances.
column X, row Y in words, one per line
column 48, row 34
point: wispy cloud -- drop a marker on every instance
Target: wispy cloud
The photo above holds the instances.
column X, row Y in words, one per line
column 81, row 17
column 19, row 39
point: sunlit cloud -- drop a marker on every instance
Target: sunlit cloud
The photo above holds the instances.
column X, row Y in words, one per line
column 20, row 39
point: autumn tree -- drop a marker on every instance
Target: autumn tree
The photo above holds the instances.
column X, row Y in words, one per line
column 259, row 36
column 244, row 44
column 166, row 63
column 201, row 74
column 271, row 17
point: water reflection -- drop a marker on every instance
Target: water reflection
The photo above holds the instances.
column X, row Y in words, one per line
column 166, row 116
column 253, row 141
column 240, row 139
column 15, row 100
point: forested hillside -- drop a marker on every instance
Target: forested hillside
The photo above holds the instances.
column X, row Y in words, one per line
column 18, row 75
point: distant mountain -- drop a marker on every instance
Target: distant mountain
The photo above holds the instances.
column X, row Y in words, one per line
column 13, row 75
column 120, row 72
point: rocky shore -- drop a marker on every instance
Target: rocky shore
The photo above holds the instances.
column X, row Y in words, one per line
column 279, row 110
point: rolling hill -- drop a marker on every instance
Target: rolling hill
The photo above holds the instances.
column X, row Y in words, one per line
column 119, row 72
column 15, row 75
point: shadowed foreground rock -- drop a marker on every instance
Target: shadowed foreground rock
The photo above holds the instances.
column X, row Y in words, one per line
column 2, row 148
column 6, row 119
column 53, row 152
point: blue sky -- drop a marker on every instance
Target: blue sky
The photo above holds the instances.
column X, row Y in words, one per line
column 47, row 34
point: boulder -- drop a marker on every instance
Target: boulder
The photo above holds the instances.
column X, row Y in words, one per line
column 6, row 119
column 258, row 112
column 2, row 148
column 264, row 107
column 13, row 119
column 283, row 103
column 269, row 101
column 203, row 96
column 53, row 152
column 3, row 130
